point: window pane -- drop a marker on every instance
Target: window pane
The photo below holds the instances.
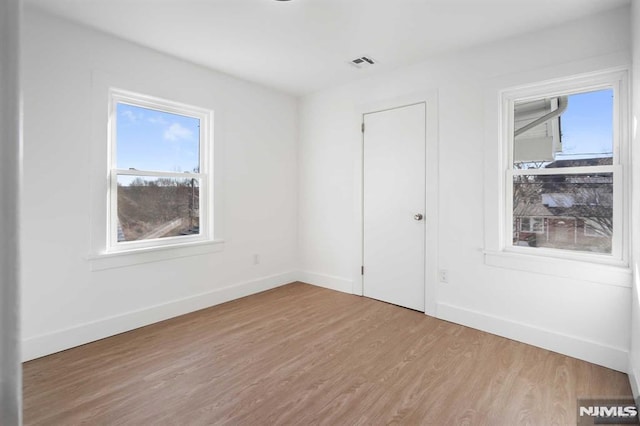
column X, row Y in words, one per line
column 151, row 207
column 149, row 139
column 569, row 212
column 577, row 131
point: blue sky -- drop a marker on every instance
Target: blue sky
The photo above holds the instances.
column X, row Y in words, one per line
column 587, row 125
column 155, row 140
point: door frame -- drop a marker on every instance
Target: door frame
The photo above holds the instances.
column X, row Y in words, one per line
column 430, row 99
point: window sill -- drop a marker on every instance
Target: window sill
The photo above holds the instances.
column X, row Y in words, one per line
column 610, row 273
column 121, row 259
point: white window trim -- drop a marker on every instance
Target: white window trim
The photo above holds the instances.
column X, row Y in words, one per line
column 498, row 251
column 152, row 254
column 97, row 257
column 204, row 175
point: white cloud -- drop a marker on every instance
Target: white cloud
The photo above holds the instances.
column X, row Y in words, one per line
column 130, row 115
column 158, row 120
column 176, row 132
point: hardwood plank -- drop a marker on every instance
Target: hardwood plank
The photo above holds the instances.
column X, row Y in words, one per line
column 300, row 354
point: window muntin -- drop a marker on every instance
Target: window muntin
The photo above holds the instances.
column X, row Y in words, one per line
column 159, row 172
column 565, row 169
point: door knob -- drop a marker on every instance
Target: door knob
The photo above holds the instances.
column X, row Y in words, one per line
column 417, row 216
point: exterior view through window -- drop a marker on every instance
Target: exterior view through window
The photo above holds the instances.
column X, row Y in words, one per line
column 156, row 175
column 563, row 172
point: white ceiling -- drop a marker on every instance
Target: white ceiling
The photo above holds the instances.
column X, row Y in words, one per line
column 301, row 46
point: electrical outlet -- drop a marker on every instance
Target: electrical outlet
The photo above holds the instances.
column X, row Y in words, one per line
column 444, row 276
column 256, row 259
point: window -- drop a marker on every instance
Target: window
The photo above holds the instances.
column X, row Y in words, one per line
column 159, row 172
column 564, row 189
column 532, row 224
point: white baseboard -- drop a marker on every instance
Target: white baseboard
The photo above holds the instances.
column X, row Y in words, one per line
column 597, row 353
column 60, row 340
column 634, row 380
column 327, row 281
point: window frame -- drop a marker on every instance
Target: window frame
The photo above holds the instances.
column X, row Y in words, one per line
column 615, row 80
column 205, row 174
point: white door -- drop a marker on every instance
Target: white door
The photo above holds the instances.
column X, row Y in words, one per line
column 394, row 205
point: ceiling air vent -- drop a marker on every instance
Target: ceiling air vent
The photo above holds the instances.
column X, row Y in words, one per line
column 363, row 61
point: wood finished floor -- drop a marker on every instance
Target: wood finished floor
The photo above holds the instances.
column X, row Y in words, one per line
column 300, row 354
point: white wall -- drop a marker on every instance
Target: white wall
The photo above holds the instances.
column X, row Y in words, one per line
column 584, row 319
column 10, row 377
column 65, row 303
column 634, row 354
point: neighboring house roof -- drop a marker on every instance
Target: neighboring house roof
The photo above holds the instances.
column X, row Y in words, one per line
column 540, row 142
column 558, row 200
column 586, row 195
column 603, row 161
column 540, row 210
column 532, row 210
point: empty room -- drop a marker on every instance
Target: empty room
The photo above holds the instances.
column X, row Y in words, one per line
column 334, row 212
